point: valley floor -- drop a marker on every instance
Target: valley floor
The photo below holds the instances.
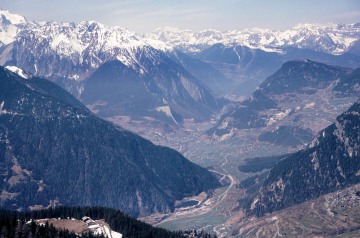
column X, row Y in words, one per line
column 221, row 157
column 219, row 212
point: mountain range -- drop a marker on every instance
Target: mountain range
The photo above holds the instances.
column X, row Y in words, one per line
column 53, row 151
column 197, row 67
column 333, row 38
column 248, row 56
column 248, row 67
column 77, row 56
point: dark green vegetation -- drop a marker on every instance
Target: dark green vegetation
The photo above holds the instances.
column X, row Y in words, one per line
column 188, row 204
column 287, row 136
column 252, row 186
column 16, row 224
column 253, row 165
column 296, row 76
column 349, row 84
column 54, row 151
column 13, row 223
column 331, row 162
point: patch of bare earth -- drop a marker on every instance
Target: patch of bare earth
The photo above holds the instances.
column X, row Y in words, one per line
column 76, row 226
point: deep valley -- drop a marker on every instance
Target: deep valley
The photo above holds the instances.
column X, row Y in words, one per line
column 233, row 133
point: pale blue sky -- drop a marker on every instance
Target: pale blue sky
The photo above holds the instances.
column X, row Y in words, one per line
column 146, row 15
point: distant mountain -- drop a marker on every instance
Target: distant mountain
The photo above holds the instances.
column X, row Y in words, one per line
column 176, row 85
column 55, row 151
column 236, row 54
column 11, row 25
column 204, row 71
column 301, row 95
column 333, row 38
column 301, row 76
column 186, row 40
column 248, row 67
column 249, row 56
column 236, row 61
column 330, row 162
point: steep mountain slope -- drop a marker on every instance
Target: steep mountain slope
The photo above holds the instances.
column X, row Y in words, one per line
column 208, row 75
column 54, row 151
column 350, row 84
column 331, row 162
column 299, row 98
column 166, row 92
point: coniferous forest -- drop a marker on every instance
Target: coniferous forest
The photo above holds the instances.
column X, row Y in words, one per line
column 22, row 224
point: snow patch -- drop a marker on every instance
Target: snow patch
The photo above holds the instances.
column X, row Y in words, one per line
column 13, row 18
column 315, row 161
column 253, row 204
column 1, row 107
column 18, row 71
column 159, row 45
column 333, row 38
column 74, row 77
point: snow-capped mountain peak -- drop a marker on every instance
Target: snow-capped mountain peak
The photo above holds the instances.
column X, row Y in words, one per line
column 331, row 38
column 85, row 45
column 11, row 25
column 15, row 19
column 79, row 37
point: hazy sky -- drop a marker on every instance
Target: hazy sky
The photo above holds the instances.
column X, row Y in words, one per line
column 146, row 15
